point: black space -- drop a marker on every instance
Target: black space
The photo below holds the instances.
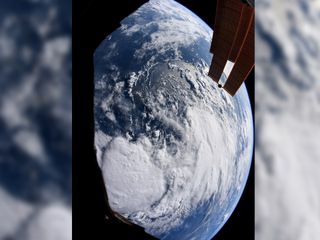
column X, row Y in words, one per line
column 93, row 20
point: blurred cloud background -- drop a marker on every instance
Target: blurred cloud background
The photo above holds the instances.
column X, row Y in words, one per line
column 35, row 119
column 287, row 112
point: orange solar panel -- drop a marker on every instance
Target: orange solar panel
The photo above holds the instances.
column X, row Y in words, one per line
column 243, row 29
column 244, row 63
column 227, row 19
column 233, row 40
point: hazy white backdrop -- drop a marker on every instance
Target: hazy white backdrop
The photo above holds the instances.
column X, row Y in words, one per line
column 287, row 111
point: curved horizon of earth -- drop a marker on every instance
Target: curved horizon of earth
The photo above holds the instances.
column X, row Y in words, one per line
column 174, row 149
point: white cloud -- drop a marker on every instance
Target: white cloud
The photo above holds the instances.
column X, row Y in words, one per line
column 13, row 213
column 50, row 222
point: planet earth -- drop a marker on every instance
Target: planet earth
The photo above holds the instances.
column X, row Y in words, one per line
column 174, row 149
